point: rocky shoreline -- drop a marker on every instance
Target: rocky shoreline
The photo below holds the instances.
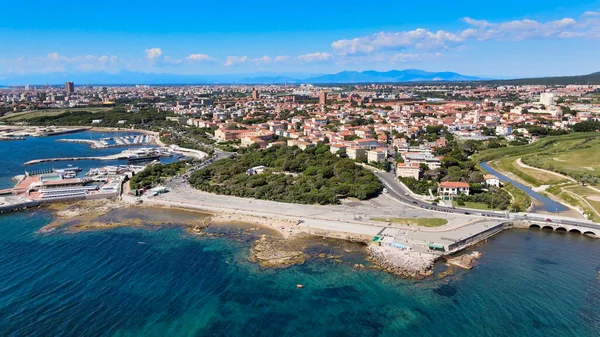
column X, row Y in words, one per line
column 404, row 263
column 283, row 246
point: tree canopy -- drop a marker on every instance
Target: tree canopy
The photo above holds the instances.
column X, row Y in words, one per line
column 291, row 175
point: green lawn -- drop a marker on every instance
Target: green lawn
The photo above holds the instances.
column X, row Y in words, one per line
column 575, row 154
column 476, row 205
column 423, row 222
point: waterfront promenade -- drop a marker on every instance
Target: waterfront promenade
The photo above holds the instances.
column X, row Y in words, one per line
column 351, row 219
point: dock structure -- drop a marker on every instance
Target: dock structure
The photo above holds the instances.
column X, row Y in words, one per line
column 46, row 160
column 139, row 155
column 112, row 142
column 16, row 203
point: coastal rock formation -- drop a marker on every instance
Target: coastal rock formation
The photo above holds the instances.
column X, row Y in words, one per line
column 465, row 261
column 404, row 263
column 271, row 252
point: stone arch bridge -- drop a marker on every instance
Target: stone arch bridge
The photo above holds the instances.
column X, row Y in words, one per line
column 574, row 229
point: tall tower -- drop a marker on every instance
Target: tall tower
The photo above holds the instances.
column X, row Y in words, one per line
column 323, row 98
column 70, row 87
column 254, row 94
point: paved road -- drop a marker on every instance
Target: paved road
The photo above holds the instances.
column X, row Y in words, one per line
column 398, row 192
column 401, row 194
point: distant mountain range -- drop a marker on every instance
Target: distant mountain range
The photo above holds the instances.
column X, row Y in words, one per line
column 371, row 76
column 593, row 78
column 344, row 77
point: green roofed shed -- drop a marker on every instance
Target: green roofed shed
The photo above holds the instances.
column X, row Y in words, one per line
column 436, row 246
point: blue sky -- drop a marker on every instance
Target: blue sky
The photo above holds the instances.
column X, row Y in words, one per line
column 508, row 39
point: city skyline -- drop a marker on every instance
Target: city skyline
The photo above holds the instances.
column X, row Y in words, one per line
column 525, row 40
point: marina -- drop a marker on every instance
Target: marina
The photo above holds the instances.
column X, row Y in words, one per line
column 111, row 142
column 131, row 155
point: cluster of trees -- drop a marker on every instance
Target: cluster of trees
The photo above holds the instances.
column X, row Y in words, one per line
column 385, row 165
column 587, row 126
column 419, row 186
column 362, row 121
column 494, row 198
column 153, row 175
column 109, row 118
column 541, row 131
column 456, row 164
column 292, row 175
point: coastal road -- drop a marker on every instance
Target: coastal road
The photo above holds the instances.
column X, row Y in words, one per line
column 400, row 193
column 417, row 207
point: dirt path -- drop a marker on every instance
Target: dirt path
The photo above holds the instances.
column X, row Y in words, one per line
column 520, row 163
column 581, row 199
column 523, row 165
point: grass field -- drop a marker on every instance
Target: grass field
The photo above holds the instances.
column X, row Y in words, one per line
column 531, row 176
column 590, row 196
column 423, row 222
column 586, row 160
column 574, row 155
column 21, row 116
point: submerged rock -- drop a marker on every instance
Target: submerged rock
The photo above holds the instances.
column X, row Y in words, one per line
column 271, row 252
column 465, row 261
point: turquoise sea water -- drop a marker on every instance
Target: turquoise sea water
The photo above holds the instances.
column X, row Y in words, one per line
column 14, row 153
column 165, row 282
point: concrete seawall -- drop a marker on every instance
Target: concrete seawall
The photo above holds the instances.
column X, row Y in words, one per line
column 475, row 239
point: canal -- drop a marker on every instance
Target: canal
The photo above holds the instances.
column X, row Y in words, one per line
column 546, row 204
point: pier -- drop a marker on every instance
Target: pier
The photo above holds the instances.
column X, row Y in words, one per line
column 133, row 155
column 112, row 142
column 46, row 160
column 16, row 203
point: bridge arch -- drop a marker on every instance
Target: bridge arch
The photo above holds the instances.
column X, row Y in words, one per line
column 575, row 231
column 590, row 233
column 561, row 229
column 534, row 226
column 548, row 228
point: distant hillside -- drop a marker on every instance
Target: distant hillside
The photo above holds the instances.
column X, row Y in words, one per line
column 593, row 78
column 407, row 76
column 127, row 77
column 372, row 76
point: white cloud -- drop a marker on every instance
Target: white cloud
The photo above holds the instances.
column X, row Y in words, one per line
column 281, row 58
column 314, row 57
column 424, row 39
column 231, row 60
column 153, row 53
column 170, row 60
column 520, row 29
column 264, row 59
column 199, row 57
column 590, row 14
column 408, row 57
column 54, row 62
column 418, row 38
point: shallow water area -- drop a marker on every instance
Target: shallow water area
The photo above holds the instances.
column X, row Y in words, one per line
column 159, row 279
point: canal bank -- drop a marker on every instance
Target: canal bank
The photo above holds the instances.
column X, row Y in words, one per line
column 543, row 203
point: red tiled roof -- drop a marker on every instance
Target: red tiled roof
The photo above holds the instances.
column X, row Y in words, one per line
column 453, row 184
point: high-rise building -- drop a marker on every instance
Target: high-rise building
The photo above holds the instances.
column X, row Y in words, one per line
column 323, row 98
column 254, row 95
column 547, row 98
column 69, row 87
